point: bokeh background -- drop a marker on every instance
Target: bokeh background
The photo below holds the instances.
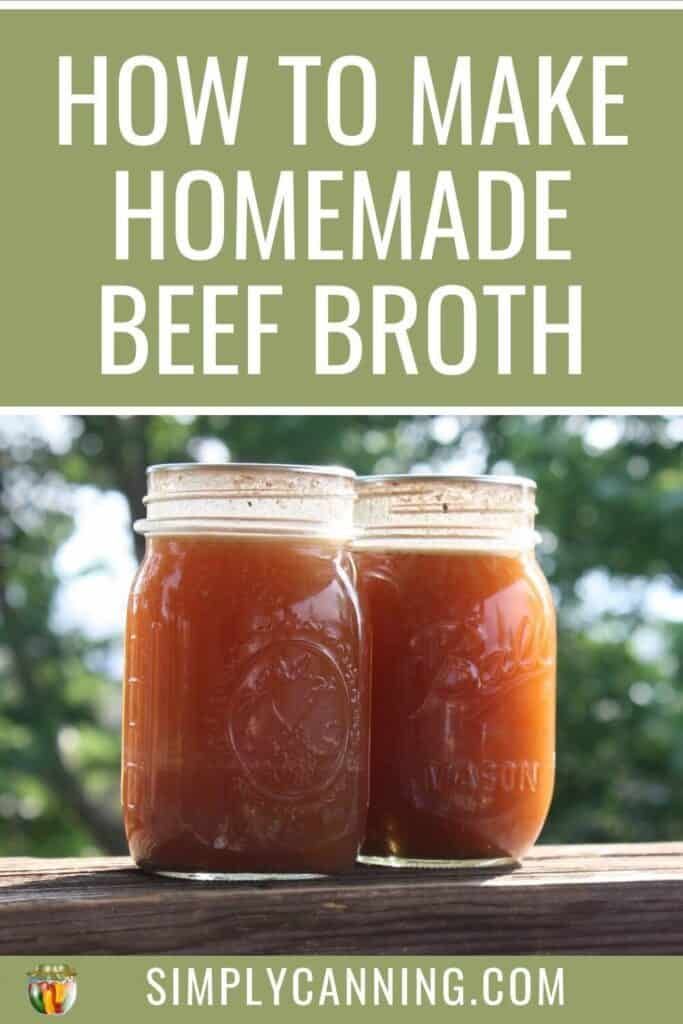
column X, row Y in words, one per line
column 611, row 517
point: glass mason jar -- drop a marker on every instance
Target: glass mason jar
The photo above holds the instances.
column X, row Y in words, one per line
column 246, row 702
column 463, row 669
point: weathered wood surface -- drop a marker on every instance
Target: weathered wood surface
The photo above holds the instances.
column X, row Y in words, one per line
column 565, row 899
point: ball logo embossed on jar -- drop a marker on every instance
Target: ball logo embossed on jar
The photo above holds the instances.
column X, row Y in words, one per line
column 451, row 685
column 290, row 719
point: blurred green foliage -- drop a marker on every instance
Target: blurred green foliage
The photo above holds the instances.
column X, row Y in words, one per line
column 611, row 501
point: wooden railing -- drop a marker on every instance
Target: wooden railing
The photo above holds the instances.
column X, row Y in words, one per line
column 564, row 899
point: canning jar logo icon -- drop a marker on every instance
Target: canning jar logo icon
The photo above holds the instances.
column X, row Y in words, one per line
column 52, row 988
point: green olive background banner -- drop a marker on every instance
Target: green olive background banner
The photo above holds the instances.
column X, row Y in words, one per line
column 467, row 208
column 145, row 988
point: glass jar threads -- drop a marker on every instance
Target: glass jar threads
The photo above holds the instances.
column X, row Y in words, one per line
column 463, row 678
column 246, row 703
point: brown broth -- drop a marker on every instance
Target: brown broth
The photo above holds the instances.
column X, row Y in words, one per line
column 463, row 703
column 246, row 707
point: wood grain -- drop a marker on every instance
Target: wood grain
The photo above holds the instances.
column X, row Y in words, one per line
column 564, row 899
